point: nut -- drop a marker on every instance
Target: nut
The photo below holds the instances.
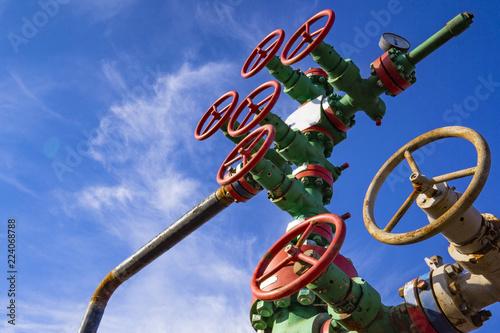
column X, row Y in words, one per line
column 306, row 297
column 283, row 302
column 265, row 309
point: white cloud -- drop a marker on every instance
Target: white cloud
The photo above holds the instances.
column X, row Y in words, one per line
column 139, row 145
column 113, row 76
column 100, row 197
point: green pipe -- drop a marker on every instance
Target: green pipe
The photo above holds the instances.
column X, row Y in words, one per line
column 356, row 305
column 287, row 193
column 297, row 85
column 453, row 28
column 344, row 75
column 293, row 146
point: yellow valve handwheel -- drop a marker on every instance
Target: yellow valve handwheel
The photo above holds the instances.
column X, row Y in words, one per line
column 422, row 184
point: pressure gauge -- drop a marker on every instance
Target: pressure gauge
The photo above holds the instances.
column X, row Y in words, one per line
column 390, row 40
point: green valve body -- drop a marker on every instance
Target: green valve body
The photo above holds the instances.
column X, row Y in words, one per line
column 342, row 303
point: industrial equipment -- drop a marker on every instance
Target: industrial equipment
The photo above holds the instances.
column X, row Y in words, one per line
column 302, row 283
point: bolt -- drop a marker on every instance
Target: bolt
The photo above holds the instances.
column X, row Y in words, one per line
column 380, row 84
column 345, row 216
column 393, row 57
column 400, row 68
column 437, row 260
column 373, row 71
column 306, row 297
column 401, row 292
column 465, row 308
column 320, row 136
column 283, row 302
column 413, row 80
column 479, row 318
column 265, row 309
column 318, row 182
column 457, row 268
column 450, row 271
column 422, row 284
column 290, row 249
column 454, row 288
column 485, row 314
column 258, row 322
column 304, row 180
column 329, row 191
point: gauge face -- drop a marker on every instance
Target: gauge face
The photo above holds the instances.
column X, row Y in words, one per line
column 390, row 40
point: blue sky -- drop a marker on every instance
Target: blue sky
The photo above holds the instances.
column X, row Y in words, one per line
column 99, row 104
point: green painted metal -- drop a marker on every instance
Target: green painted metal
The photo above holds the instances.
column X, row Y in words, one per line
column 453, row 28
column 297, row 85
column 354, row 305
column 344, row 75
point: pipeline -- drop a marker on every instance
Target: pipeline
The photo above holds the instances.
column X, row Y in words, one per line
column 189, row 222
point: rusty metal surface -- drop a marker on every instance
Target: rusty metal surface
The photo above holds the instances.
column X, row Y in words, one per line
column 468, row 198
column 449, row 297
column 189, row 222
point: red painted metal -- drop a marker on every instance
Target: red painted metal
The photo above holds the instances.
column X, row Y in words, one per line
column 243, row 152
column 319, row 129
column 267, row 103
column 335, row 121
column 307, row 37
column 264, row 54
column 316, row 71
column 235, row 194
column 218, row 117
column 247, row 186
column 316, row 171
column 295, row 254
column 325, row 328
column 385, row 77
column 390, row 68
column 415, row 310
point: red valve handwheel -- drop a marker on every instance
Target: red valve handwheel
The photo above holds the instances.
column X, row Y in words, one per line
column 307, row 37
column 243, row 152
column 218, row 117
column 263, row 54
column 254, row 109
column 295, row 254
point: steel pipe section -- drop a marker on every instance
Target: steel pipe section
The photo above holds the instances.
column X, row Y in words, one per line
column 192, row 220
